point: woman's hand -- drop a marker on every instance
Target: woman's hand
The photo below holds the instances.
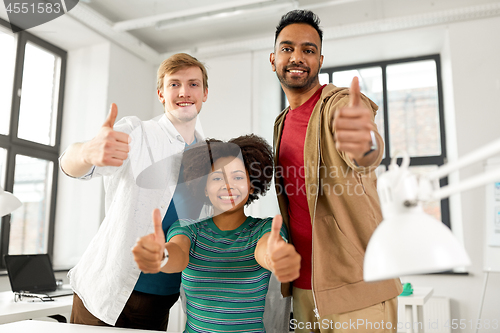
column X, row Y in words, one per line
column 281, row 258
column 149, row 250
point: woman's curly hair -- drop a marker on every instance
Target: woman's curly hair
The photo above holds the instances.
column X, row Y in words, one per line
column 254, row 151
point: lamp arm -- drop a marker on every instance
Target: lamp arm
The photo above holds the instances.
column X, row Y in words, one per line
column 480, row 154
column 470, row 183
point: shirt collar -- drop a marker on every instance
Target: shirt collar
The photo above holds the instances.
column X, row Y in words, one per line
column 172, row 133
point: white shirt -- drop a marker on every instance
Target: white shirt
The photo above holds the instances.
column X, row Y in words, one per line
column 106, row 274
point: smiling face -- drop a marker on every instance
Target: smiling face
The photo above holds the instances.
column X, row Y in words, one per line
column 228, row 186
column 297, row 57
column 183, row 94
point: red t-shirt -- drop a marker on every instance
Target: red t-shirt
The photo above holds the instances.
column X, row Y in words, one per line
column 291, row 163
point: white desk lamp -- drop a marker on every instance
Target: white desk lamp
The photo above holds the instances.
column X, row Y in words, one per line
column 8, row 202
column 409, row 241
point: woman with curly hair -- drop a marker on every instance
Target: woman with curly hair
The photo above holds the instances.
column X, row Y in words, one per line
column 226, row 260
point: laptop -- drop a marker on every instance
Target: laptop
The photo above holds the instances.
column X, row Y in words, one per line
column 33, row 274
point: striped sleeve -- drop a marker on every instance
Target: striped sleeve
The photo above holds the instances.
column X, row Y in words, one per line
column 180, row 227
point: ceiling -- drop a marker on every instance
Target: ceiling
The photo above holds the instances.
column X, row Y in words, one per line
column 211, row 28
column 194, row 27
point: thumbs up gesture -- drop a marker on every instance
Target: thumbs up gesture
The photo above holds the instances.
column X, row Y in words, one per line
column 148, row 251
column 281, row 257
column 352, row 125
column 109, row 147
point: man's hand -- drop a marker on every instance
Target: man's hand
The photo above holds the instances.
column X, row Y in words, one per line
column 352, row 125
column 281, row 257
column 148, row 251
column 109, row 147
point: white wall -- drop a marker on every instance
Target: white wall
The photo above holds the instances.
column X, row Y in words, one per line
column 132, row 85
column 228, row 110
column 84, row 109
column 266, row 104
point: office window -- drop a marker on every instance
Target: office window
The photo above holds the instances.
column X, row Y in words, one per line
column 39, row 87
column 3, row 166
column 29, row 225
column 412, row 96
column 410, row 116
column 31, row 97
column 7, row 62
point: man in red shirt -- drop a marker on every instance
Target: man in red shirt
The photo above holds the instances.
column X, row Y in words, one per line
column 326, row 150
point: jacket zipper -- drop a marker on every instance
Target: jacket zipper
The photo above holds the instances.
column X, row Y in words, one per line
column 316, row 312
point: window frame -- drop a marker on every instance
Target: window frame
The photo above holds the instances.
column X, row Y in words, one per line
column 15, row 145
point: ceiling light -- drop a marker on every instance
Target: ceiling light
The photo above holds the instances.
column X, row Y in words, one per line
column 269, row 6
column 150, row 21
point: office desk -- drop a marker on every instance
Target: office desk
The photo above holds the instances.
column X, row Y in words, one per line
column 55, row 327
column 415, row 301
column 11, row 311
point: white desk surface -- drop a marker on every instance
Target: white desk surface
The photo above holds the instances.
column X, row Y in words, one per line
column 14, row 311
column 55, row 327
column 419, row 297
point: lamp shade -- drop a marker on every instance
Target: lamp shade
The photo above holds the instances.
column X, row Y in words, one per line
column 412, row 243
column 8, row 202
column 408, row 241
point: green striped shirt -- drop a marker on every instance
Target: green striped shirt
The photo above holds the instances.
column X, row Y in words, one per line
column 225, row 286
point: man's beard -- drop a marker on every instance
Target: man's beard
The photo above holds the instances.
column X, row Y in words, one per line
column 301, row 84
